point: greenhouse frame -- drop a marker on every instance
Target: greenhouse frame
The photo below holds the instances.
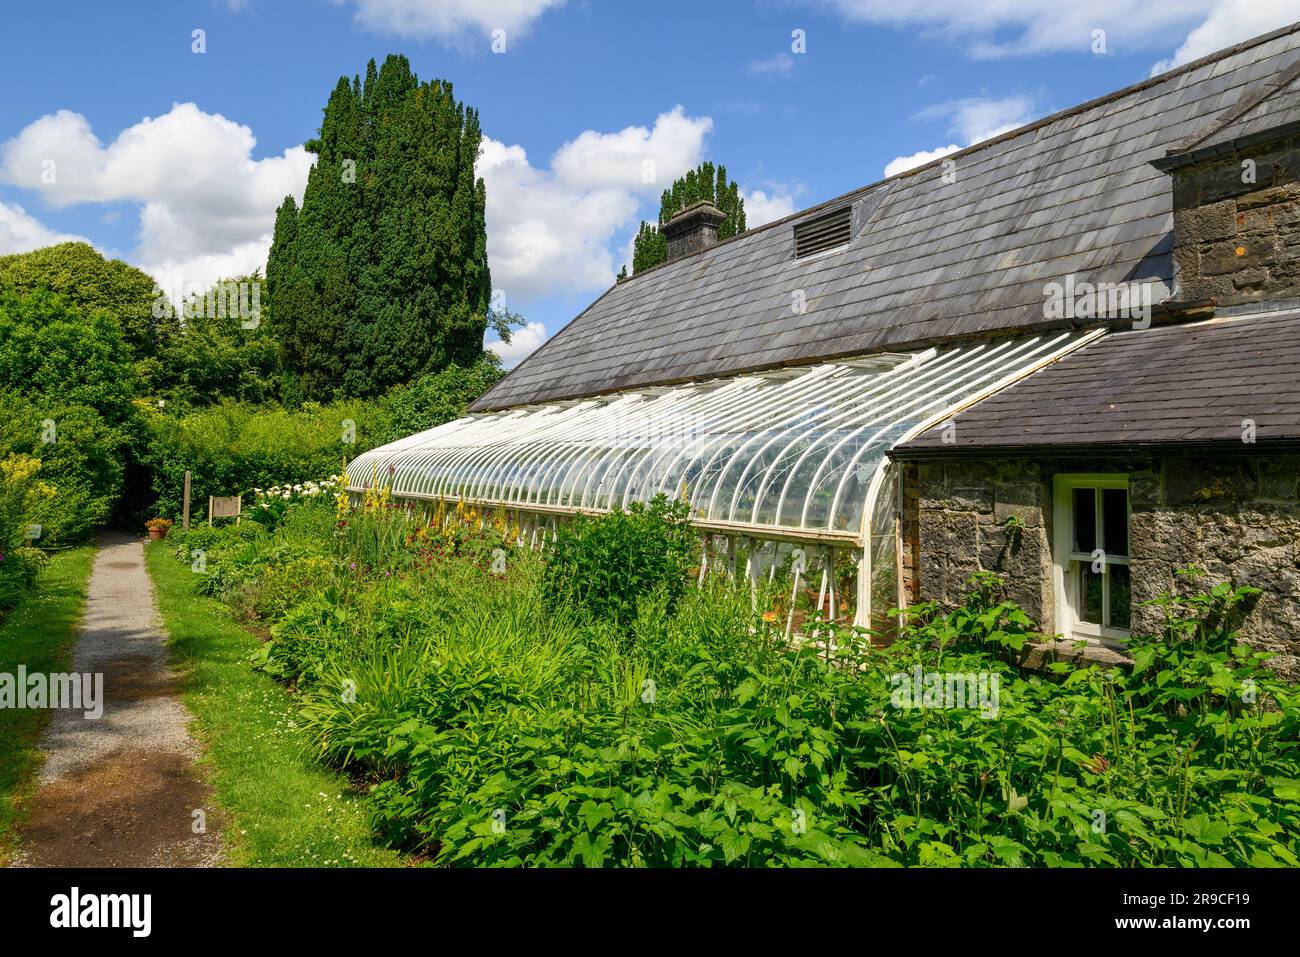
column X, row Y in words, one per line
column 794, row 456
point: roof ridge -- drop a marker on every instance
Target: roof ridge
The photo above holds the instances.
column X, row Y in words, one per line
column 1000, row 138
column 503, row 395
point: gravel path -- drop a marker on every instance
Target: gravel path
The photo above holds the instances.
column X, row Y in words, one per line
column 122, row 790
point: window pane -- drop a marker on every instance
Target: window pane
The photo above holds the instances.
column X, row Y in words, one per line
column 1085, row 519
column 1114, row 514
column 1119, row 596
column 1090, row 593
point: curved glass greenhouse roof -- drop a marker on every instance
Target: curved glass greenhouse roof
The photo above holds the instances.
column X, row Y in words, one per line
column 797, row 453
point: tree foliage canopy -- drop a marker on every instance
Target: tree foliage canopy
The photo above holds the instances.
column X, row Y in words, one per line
column 85, row 279
column 705, row 182
column 382, row 275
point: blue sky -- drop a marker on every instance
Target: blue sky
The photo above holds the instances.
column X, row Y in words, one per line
column 116, row 131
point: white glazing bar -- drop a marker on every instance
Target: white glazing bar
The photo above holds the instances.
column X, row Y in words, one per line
column 786, row 439
column 744, row 413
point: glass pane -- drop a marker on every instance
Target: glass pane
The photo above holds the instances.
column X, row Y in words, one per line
column 1119, row 596
column 1085, row 519
column 1090, row 592
column 794, row 449
column 1114, row 513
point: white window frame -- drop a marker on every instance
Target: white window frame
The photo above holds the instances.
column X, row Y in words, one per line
column 1068, row 623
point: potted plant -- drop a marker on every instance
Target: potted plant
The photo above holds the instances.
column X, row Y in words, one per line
column 158, row 528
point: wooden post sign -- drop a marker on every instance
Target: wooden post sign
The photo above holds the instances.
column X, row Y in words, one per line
column 224, row 506
column 185, row 514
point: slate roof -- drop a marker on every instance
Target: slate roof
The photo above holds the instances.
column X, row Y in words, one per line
column 931, row 261
column 1184, row 384
column 1269, row 108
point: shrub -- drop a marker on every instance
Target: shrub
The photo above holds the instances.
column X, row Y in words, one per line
column 18, row 570
column 606, row 565
column 499, row 729
column 82, row 463
column 21, row 494
column 233, row 448
column 439, row 397
column 271, row 505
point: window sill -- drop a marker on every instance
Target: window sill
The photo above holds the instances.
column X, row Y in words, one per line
column 1039, row 655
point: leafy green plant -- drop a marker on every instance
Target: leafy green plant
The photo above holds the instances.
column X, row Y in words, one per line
column 607, row 565
column 526, row 718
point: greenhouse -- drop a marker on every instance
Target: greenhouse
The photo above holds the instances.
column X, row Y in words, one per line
column 771, row 462
column 942, row 376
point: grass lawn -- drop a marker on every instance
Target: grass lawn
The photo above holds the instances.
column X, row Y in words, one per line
column 282, row 808
column 39, row 633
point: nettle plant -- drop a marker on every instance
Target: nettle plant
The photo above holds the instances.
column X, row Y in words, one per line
column 608, row 565
column 593, row 705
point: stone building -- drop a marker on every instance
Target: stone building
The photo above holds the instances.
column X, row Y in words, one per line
column 1069, row 354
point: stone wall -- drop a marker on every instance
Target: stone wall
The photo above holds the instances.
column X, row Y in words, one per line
column 1236, row 516
column 1237, row 227
column 964, row 508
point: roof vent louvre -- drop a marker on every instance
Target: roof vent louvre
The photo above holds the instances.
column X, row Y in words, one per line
column 824, row 232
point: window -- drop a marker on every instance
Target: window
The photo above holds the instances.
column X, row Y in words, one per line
column 1092, row 558
column 824, row 232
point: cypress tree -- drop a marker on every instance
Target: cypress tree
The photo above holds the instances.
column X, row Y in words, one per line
column 382, row 275
column 705, row 182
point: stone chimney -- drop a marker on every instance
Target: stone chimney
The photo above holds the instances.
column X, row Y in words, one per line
column 693, row 229
column 1236, row 213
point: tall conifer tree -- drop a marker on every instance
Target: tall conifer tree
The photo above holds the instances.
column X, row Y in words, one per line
column 705, row 182
column 382, row 275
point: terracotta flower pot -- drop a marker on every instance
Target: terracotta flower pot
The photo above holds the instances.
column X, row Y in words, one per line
column 157, row 534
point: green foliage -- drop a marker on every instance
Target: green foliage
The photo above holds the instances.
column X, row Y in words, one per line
column 21, row 495
column 67, row 401
column 710, row 183
column 439, row 397
column 649, row 249
column 382, row 275
column 498, row 728
column 220, row 355
column 82, row 461
column 93, row 284
column 233, row 448
column 50, row 347
column 705, row 182
column 608, row 565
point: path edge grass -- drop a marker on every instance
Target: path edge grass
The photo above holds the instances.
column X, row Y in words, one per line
column 40, row 633
column 279, row 807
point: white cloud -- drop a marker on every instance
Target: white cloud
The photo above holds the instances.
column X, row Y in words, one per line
column 901, row 164
column 451, row 19
column 545, row 236
column 973, row 119
column 1229, row 22
column 978, row 118
column 182, row 276
column 523, row 343
column 781, row 64
column 634, row 158
column 763, row 207
column 21, row 232
column 550, row 230
column 994, row 28
column 206, row 203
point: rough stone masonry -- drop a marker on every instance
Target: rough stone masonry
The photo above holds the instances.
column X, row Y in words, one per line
column 1235, row 517
column 1237, row 225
